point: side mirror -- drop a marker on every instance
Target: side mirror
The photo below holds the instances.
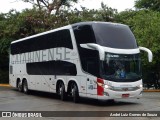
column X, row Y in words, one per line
column 150, row 55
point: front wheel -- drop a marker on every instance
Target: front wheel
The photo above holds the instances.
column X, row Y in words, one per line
column 75, row 93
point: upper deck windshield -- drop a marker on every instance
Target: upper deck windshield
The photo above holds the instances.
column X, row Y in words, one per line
column 105, row 34
column 114, row 36
column 121, row 68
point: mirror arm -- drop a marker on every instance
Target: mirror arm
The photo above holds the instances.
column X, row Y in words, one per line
column 150, row 55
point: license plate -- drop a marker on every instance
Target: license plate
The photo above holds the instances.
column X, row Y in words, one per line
column 125, row 95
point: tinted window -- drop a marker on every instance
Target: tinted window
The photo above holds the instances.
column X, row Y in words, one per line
column 89, row 58
column 60, row 38
column 114, row 36
column 51, row 68
column 92, row 66
column 121, row 67
column 84, row 34
column 11, row 69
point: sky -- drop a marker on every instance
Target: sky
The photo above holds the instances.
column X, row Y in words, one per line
column 120, row 5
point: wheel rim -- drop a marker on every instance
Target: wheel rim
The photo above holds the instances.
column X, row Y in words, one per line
column 62, row 91
column 74, row 93
column 25, row 87
column 19, row 86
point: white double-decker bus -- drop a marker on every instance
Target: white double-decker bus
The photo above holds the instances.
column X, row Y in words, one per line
column 98, row 60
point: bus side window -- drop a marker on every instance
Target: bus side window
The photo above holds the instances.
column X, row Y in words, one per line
column 92, row 66
column 84, row 34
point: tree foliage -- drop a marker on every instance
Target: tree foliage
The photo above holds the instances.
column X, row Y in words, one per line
column 51, row 5
column 145, row 25
column 14, row 25
column 148, row 4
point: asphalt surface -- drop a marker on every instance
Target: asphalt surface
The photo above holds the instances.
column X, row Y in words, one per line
column 13, row 100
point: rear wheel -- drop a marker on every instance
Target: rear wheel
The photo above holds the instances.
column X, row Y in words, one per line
column 19, row 86
column 61, row 91
column 75, row 93
column 25, row 87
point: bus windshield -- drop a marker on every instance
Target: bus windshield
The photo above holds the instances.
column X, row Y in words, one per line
column 121, row 67
column 114, row 36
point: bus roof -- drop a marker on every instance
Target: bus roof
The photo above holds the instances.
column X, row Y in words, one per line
column 97, row 22
column 68, row 27
column 43, row 33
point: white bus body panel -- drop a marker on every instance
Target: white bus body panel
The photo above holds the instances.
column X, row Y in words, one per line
column 87, row 84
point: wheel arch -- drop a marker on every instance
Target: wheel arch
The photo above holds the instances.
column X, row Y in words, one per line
column 70, row 82
column 24, row 80
column 58, row 82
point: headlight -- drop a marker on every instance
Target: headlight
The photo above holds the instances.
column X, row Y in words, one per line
column 106, row 86
column 140, row 86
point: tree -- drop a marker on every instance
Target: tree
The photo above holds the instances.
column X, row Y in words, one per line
column 51, row 5
column 148, row 4
column 105, row 13
column 15, row 25
column 146, row 26
column 124, row 16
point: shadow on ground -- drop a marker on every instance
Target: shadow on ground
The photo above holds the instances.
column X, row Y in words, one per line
column 87, row 101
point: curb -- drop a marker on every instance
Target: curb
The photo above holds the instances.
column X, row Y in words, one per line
column 151, row 90
column 5, row 85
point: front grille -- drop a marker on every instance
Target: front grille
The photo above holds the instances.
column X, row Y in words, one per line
column 124, row 88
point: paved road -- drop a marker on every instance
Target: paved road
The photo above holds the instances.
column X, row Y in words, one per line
column 12, row 100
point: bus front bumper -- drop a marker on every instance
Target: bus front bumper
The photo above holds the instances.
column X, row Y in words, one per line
column 110, row 94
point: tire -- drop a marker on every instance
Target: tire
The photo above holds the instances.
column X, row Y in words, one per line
column 61, row 91
column 25, row 87
column 75, row 93
column 19, row 86
column 111, row 101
